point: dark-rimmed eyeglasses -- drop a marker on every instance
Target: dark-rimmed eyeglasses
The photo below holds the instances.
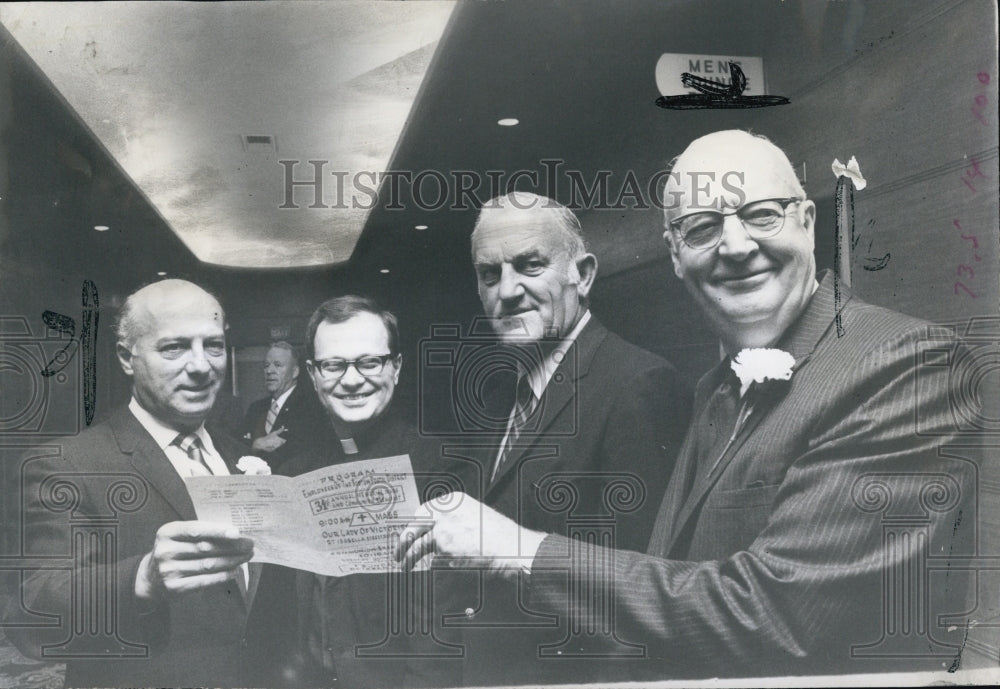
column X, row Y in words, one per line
column 761, row 219
column 367, row 366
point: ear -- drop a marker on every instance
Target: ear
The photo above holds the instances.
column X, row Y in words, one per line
column 807, row 215
column 586, row 266
column 295, row 368
column 398, row 364
column 668, row 237
column 311, row 370
column 124, row 358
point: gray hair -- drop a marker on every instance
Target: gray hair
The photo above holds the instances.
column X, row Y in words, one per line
column 556, row 215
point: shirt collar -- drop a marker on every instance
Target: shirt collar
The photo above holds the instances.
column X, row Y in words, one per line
column 539, row 379
column 284, row 396
column 164, row 435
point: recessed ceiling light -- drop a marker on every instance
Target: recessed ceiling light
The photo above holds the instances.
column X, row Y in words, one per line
column 161, row 273
column 508, row 122
column 101, row 228
column 420, row 227
column 384, row 271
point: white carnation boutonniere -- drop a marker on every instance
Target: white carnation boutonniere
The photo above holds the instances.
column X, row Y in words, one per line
column 759, row 365
column 253, row 466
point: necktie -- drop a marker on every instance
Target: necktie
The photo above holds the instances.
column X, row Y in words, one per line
column 272, row 416
column 525, row 405
column 717, row 427
column 192, row 446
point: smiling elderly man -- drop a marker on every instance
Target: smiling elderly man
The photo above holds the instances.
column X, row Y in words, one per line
column 182, row 589
column 779, row 547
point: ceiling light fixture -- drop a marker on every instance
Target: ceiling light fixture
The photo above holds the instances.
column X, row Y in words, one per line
column 384, row 271
column 420, row 227
column 101, row 228
column 161, row 273
column 508, row 122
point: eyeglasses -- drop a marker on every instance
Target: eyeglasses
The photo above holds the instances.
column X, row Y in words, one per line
column 367, row 366
column 761, row 219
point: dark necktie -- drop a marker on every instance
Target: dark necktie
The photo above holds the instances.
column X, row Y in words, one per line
column 717, row 427
column 191, row 445
column 524, row 406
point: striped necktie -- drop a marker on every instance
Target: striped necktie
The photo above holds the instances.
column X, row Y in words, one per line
column 272, row 416
column 191, row 445
column 524, row 407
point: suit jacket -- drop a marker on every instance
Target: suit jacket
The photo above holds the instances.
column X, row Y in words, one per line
column 301, row 414
column 610, row 424
column 116, row 470
column 777, row 562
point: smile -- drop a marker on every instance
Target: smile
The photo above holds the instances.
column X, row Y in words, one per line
column 747, row 279
column 356, row 397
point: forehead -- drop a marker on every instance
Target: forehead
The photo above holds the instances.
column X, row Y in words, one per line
column 506, row 233
column 180, row 315
column 727, row 172
column 279, row 354
column 364, row 333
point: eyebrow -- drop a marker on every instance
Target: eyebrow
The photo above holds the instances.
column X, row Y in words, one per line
column 526, row 255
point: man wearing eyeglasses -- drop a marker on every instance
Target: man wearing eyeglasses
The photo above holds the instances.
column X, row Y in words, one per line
column 778, row 548
column 354, row 362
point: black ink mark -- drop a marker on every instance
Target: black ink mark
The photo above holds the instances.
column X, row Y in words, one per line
column 65, row 326
column 713, row 95
column 876, row 263
column 957, row 662
column 87, row 344
column 88, row 347
column 844, row 240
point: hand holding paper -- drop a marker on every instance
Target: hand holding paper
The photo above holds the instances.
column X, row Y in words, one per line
column 190, row 555
column 467, row 533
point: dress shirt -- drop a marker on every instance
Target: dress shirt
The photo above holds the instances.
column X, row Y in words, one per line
column 283, row 397
column 164, row 436
column 539, row 378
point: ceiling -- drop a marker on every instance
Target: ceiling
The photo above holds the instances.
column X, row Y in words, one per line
column 197, row 102
column 170, row 91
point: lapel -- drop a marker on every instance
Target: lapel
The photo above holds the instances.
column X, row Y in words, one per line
column 575, row 366
column 799, row 340
column 287, row 409
column 150, row 462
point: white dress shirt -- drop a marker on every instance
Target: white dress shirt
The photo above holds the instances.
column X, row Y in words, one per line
column 538, row 378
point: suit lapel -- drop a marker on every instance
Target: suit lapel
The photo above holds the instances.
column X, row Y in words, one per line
column 799, row 340
column 555, row 397
column 150, row 462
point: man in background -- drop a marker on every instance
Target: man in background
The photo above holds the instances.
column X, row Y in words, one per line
column 281, row 425
column 181, row 588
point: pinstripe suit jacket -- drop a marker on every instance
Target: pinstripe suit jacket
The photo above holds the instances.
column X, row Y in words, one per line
column 775, row 562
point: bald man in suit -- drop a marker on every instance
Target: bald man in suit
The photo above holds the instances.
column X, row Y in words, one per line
column 178, row 589
column 812, row 487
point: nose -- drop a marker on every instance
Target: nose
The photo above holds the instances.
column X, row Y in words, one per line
column 351, row 378
column 198, row 362
column 510, row 287
column 736, row 242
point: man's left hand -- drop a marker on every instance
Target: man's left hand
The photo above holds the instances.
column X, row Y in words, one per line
column 270, row 442
column 463, row 532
